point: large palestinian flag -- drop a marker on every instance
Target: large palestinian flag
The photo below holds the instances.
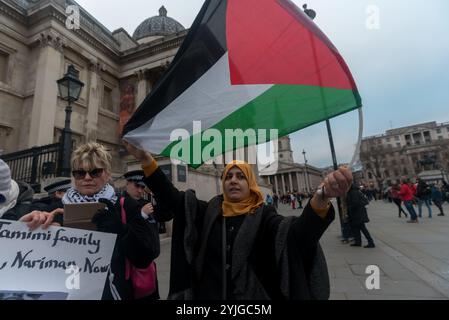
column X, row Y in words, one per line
column 248, row 64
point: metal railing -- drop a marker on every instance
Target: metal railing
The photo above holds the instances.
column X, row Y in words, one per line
column 35, row 164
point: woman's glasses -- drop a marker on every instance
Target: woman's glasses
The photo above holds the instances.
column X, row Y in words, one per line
column 81, row 174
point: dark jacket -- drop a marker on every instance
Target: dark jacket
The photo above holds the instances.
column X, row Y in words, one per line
column 137, row 241
column 357, row 213
column 24, row 203
column 423, row 191
column 259, row 256
column 437, row 195
column 160, row 214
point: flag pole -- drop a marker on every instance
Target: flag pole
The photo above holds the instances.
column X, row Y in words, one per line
column 312, row 14
column 335, row 163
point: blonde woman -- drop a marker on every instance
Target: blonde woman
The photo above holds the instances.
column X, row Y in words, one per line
column 136, row 240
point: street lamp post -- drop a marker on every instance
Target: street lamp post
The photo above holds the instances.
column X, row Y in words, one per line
column 69, row 90
column 306, row 173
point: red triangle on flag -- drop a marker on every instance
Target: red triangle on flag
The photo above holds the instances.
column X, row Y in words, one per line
column 274, row 42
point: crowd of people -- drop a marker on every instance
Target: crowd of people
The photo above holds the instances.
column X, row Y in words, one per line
column 410, row 197
column 406, row 194
column 418, row 194
column 234, row 246
column 353, row 207
column 294, row 199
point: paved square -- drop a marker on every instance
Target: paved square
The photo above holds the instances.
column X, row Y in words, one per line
column 413, row 259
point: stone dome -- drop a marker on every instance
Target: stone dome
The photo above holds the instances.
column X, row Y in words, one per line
column 160, row 25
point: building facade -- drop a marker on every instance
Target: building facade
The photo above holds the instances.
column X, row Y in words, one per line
column 398, row 153
column 37, row 44
column 36, row 47
column 118, row 71
column 290, row 176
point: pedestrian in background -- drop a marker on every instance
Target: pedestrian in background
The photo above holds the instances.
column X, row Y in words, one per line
column 358, row 217
column 269, row 200
column 437, row 198
column 396, row 198
column 276, row 200
column 407, row 195
column 423, row 194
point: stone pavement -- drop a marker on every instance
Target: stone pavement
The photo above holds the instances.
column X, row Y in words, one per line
column 413, row 258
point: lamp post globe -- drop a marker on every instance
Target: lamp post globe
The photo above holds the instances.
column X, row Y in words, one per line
column 69, row 88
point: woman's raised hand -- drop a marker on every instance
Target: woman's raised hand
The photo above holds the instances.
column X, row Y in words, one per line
column 338, row 183
column 144, row 157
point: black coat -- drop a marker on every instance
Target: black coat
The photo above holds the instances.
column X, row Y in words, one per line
column 273, row 257
column 423, row 190
column 137, row 241
column 357, row 213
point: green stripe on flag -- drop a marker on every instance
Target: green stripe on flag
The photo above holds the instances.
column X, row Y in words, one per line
column 287, row 108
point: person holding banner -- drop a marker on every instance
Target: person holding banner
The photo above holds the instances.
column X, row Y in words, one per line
column 137, row 241
column 15, row 196
column 235, row 247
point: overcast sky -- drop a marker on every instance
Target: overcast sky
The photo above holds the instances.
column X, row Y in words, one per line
column 401, row 68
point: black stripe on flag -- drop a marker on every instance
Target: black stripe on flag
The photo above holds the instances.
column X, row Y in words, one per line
column 204, row 45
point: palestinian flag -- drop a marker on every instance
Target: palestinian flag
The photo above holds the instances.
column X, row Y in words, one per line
column 246, row 64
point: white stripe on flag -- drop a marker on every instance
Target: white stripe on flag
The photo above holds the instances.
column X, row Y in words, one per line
column 210, row 99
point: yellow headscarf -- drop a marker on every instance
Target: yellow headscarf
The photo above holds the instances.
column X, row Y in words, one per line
column 246, row 206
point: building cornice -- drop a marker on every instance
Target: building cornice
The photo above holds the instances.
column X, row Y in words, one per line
column 90, row 31
column 144, row 51
column 13, row 11
column 99, row 42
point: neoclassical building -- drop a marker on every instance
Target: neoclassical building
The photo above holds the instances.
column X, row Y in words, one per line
column 396, row 154
column 291, row 176
column 118, row 71
column 37, row 44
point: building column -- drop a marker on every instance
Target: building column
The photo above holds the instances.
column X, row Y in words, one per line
column 276, row 184
column 94, row 101
column 306, row 179
column 43, row 113
column 284, row 191
column 297, row 181
column 291, row 181
column 142, row 86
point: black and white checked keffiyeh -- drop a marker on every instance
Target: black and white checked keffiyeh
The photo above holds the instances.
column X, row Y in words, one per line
column 73, row 196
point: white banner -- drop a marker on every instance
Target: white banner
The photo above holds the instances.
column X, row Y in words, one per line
column 57, row 263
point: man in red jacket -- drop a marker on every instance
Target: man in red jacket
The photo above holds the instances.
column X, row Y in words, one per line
column 407, row 194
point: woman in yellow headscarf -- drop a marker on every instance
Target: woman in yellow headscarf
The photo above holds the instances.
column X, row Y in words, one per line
column 241, row 192
column 236, row 247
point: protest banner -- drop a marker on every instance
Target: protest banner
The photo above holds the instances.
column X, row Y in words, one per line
column 61, row 263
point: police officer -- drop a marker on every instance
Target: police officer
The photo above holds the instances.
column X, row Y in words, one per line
column 135, row 188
